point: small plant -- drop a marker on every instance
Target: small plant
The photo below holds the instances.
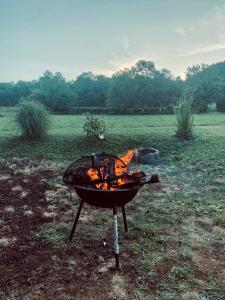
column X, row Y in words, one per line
column 184, row 115
column 54, row 235
column 94, row 125
column 180, row 273
column 32, row 119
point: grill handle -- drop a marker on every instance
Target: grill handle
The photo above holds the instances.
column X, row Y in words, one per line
column 154, row 178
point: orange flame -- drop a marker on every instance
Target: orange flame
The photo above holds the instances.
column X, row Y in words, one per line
column 119, row 165
column 120, row 168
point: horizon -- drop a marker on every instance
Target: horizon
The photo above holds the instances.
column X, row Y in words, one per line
column 73, row 37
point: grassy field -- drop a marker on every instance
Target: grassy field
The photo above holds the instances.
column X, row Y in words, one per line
column 67, row 141
column 175, row 248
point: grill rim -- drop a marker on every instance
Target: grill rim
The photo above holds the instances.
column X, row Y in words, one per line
column 136, row 187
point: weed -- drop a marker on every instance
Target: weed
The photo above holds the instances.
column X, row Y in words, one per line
column 54, row 234
column 180, row 273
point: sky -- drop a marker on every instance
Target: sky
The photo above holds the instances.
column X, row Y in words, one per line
column 103, row 36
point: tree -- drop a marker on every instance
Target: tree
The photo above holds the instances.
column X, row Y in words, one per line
column 205, row 85
column 92, row 90
column 11, row 93
column 220, row 103
column 143, row 86
column 54, row 92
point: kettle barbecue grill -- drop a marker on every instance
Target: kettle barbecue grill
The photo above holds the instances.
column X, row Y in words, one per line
column 104, row 180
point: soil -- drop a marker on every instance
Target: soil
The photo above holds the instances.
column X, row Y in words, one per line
column 34, row 268
column 33, row 197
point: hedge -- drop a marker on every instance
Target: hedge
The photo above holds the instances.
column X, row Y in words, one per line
column 110, row 111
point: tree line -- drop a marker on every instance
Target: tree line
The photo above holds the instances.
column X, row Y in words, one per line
column 141, row 88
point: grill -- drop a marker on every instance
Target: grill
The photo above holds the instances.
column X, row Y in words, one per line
column 104, row 180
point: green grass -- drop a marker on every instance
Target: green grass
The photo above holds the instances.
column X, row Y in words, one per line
column 54, row 235
column 66, row 140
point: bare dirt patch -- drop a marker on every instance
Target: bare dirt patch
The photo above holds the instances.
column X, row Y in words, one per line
column 32, row 267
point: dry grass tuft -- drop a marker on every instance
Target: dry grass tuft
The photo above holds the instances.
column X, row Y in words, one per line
column 9, row 209
column 28, row 213
column 49, row 214
column 4, row 241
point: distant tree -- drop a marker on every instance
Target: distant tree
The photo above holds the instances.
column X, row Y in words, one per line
column 54, row 92
column 219, row 69
column 220, row 103
column 195, row 69
column 92, row 90
column 143, row 86
column 11, row 93
column 122, row 92
column 205, row 85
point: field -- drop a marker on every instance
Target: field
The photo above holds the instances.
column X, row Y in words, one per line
column 175, row 247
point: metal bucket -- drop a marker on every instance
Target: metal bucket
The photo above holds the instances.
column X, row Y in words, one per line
column 147, row 156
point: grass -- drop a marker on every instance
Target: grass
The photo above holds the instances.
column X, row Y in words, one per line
column 32, row 119
column 185, row 120
column 54, row 235
column 180, row 226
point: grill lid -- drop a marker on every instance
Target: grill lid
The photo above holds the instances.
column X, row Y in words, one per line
column 105, row 171
column 104, row 165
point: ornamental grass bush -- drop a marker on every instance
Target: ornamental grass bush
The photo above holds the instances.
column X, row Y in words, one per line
column 185, row 118
column 32, row 120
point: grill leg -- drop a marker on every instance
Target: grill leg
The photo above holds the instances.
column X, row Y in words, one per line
column 116, row 238
column 76, row 220
column 124, row 219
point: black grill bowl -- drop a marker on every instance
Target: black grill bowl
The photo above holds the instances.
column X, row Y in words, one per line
column 106, row 198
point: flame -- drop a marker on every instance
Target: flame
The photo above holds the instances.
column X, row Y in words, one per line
column 93, row 174
column 121, row 167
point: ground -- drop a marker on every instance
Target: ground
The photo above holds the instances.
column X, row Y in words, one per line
column 175, row 247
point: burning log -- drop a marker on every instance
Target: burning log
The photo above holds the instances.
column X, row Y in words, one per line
column 107, row 172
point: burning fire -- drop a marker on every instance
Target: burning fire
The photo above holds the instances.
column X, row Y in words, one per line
column 121, row 167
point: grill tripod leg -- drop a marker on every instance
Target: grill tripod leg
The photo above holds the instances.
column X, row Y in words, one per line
column 116, row 238
column 76, row 220
column 124, row 219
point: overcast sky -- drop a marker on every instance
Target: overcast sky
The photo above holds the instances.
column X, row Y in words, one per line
column 73, row 36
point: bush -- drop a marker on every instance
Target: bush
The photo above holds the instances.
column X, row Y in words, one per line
column 94, row 125
column 91, row 110
column 32, row 119
column 118, row 111
column 184, row 115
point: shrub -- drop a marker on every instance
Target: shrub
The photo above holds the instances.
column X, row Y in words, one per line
column 32, row 119
column 119, row 111
column 184, row 115
column 93, row 125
